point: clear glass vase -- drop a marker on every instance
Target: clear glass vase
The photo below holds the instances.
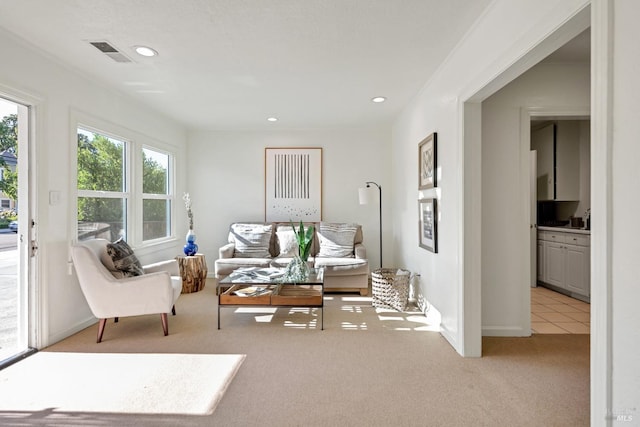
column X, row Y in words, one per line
column 296, row 271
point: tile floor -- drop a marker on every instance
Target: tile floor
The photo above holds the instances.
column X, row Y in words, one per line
column 555, row 313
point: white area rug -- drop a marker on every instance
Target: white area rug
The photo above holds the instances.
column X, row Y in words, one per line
column 118, row 383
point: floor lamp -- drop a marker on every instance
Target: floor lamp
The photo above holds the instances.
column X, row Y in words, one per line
column 365, row 198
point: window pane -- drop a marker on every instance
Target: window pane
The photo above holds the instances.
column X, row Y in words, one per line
column 155, row 219
column 100, row 162
column 155, row 172
column 100, row 217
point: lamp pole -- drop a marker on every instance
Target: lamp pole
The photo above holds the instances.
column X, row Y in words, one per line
column 380, row 216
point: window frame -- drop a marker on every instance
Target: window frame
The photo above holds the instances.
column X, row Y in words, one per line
column 133, row 175
column 125, row 195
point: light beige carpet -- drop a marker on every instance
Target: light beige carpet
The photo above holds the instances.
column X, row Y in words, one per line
column 189, row 384
column 369, row 367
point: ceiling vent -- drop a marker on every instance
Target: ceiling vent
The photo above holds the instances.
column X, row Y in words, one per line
column 110, row 51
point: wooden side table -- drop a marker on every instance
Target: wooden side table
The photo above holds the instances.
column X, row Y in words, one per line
column 193, row 270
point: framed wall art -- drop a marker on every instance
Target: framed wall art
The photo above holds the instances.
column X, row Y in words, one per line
column 427, row 162
column 293, row 184
column 428, row 224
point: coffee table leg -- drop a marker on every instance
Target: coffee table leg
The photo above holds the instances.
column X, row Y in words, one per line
column 218, row 315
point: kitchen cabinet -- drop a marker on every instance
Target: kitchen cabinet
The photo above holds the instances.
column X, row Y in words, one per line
column 564, row 261
column 558, row 159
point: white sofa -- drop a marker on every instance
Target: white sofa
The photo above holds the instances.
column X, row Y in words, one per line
column 346, row 268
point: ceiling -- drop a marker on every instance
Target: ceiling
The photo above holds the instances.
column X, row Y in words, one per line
column 231, row 64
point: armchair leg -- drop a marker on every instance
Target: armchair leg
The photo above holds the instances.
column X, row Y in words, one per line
column 165, row 323
column 173, row 310
column 101, row 326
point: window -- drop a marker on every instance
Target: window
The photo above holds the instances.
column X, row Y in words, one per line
column 125, row 187
column 156, row 195
column 103, row 188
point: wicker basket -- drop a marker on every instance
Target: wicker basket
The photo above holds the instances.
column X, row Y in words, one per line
column 390, row 288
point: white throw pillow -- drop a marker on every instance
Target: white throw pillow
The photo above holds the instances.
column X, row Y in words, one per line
column 287, row 241
column 251, row 240
column 336, row 240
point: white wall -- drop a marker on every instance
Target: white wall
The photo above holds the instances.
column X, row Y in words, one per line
column 505, row 308
column 494, row 51
column 625, row 182
column 58, row 93
column 226, row 180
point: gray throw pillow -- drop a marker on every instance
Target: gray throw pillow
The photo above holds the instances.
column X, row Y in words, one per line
column 251, row 240
column 336, row 239
column 124, row 259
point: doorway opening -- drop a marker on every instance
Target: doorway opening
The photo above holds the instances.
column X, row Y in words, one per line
column 560, row 214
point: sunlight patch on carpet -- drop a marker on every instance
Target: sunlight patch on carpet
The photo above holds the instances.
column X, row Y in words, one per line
column 190, row 384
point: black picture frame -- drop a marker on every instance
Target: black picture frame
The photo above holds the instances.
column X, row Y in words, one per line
column 428, row 224
column 428, row 162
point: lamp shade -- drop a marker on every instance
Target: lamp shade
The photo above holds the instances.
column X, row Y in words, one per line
column 364, row 195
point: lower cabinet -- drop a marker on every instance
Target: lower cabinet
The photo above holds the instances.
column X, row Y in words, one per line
column 554, row 264
column 564, row 261
column 577, row 277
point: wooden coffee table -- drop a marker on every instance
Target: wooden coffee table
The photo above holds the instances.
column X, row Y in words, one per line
column 264, row 287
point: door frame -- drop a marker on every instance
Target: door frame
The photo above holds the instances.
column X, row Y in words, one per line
column 527, row 115
column 34, row 309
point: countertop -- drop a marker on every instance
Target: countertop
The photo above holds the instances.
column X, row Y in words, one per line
column 565, row 229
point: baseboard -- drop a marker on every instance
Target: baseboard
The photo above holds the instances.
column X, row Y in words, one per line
column 67, row 333
column 505, row 331
column 450, row 337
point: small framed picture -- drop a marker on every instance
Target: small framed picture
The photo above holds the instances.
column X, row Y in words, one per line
column 428, row 224
column 427, row 162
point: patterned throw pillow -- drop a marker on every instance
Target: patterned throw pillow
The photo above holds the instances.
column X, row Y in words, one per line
column 251, row 240
column 336, row 240
column 124, row 259
column 287, row 241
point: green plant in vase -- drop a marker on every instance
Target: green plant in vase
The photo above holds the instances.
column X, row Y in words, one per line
column 298, row 269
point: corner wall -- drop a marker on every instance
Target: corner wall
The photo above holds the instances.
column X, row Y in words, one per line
column 624, row 183
column 483, row 61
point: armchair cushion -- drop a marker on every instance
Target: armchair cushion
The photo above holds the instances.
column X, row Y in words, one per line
column 124, row 259
column 336, row 240
column 251, row 240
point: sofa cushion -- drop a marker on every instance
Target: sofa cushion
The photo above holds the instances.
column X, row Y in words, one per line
column 342, row 266
column 251, row 240
column 287, row 241
column 123, row 258
column 336, row 240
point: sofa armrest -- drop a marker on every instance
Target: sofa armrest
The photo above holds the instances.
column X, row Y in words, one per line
column 227, row 250
column 360, row 251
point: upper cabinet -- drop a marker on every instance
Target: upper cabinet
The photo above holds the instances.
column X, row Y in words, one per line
column 558, row 148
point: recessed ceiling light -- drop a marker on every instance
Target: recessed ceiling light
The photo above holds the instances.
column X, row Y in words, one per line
column 145, row 51
column 378, row 99
column 272, row 119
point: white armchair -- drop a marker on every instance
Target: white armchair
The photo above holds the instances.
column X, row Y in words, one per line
column 109, row 296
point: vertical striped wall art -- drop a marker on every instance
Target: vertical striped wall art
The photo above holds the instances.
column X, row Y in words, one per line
column 293, row 184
